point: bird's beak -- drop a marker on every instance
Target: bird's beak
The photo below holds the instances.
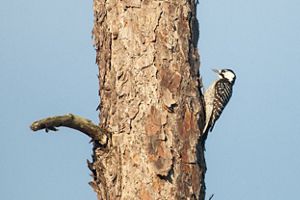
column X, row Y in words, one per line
column 216, row 71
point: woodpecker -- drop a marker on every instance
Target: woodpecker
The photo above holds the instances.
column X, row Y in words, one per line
column 217, row 96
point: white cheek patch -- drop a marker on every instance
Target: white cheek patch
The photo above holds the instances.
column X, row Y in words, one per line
column 229, row 75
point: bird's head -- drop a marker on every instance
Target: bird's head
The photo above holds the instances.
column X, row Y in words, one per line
column 227, row 74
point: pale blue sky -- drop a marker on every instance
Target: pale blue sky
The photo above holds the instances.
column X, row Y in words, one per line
column 47, row 68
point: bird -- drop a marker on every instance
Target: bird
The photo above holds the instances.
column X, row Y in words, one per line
column 217, row 96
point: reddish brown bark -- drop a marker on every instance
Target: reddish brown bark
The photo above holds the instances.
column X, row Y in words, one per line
column 150, row 101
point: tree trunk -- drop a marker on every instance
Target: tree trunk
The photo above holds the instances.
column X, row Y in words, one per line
column 151, row 101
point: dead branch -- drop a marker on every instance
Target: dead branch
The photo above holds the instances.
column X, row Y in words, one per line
column 95, row 132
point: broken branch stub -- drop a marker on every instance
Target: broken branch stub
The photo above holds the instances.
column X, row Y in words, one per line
column 95, row 132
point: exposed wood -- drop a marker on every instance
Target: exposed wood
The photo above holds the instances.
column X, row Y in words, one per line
column 95, row 132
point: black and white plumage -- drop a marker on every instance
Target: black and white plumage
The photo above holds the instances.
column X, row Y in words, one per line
column 217, row 96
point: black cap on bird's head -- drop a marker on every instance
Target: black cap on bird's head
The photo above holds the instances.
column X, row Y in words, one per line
column 227, row 74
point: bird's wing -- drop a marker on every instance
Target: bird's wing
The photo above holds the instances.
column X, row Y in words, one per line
column 223, row 91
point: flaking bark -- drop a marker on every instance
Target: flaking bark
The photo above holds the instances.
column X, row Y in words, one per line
column 150, row 100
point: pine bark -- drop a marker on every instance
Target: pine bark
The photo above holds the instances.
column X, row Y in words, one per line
column 151, row 101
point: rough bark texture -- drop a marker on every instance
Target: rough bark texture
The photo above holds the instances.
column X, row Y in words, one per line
column 150, row 101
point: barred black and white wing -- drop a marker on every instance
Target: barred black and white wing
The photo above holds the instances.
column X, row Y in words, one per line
column 223, row 92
